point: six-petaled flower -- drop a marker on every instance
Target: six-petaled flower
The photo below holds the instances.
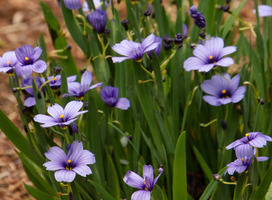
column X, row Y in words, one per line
column 210, row 55
column 78, row 90
column 28, row 61
column 223, row 90
column 134, row 50
column 145, row 184
column 59, row 116
column 67, row 166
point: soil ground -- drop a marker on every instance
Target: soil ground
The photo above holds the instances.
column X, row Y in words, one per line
column 21, row 23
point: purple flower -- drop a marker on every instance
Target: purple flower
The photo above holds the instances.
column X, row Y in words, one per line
column 67, row 166
column 8, row 62
column 28, row 58
column 97, row 4
column 145, row 183
column 242, row 164
column 28, row 92
column 210, row 55
column 244, row 146
column 134, row 50
column 72, row 4
column 223, row 90
column 78, row 90
column 59, row 116
column 98, row 20
column 198, row 17
column 56, row 81
column 110, row 97
column 264, row 10
column 157, row 50
column 239, row 165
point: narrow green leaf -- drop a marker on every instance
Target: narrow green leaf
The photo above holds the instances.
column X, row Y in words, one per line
column 112, row 179
column 36, row 173
column 179, row 170
column 16, row 137
column 207, row 171
column 240, row 187
column 104, row 194
column 264, row 186
column 38, row 194
column 74, row 30
column 230, row 21
column 210, row 188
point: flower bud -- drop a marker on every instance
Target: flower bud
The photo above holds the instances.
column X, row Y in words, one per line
column 216, row 177
column 147, row 13
column 202, row 34
column 98, row 20
column 125, row 23
column 57, row 69
column 224, row 124
column 68, row 47
column 198, row 17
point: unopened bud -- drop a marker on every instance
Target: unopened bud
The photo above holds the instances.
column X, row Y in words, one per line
column 106, row 31
column 178, row 39
column 85, row 105
column 216, row 177
column 125, row 23
column 193, row 45
column 140, row 81
column 202, row 34
column 82, row 70
column 261, row 101
column 57, row 69
column 224, row 124
column 68, row 47
column 147, row 13
column 232, row 178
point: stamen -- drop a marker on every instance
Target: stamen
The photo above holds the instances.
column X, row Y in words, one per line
column 69, row 161
column 242, row 159
column 26, row 58
column 54, row 78
column 210, row 57
column 61, row 116
column 68, row 168
column 9, row 62
column 247, row 135
column 224, row 91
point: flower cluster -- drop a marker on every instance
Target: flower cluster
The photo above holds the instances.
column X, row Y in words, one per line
column 245, row 149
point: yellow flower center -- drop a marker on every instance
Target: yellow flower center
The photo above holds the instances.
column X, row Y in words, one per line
column 224, row 91
column 69, row 161
column 26, row 58
column 61, row 116
column 81, row 98
column 68, row 168
column 242, row 159
column 210, row 57
column 54, row 78
column 247, row 135
column 9, row 62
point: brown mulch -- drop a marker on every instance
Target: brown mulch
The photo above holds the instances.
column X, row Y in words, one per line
column 21, row 23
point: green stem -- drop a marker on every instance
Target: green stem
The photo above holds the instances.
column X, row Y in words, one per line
column 148, row 72
column 163, row 65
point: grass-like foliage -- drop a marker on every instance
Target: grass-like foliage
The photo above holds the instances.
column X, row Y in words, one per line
column 164, row 108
